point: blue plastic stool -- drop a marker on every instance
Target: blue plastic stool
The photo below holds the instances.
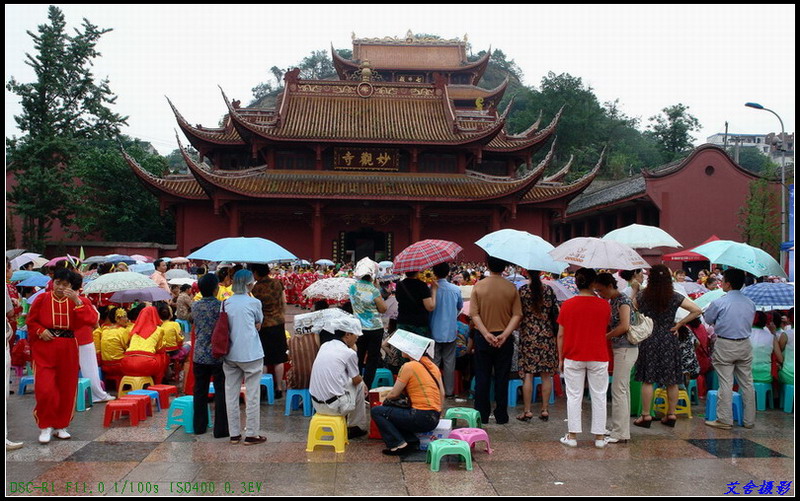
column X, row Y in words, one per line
column 491, row 389
column 513, row 386
column 712, row 380
column 186, row 417
column 537, row 381
column 267, row 381
column 82, row 401
column 294, row 404
column 762, row 401
column 24, row 381
column 383, row 377
column 711, row 407
column 694, row 393
column 150, row 393
column 787, row 398
column 186, row 327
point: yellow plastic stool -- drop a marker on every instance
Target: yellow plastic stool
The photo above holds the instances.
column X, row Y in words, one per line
column 327, row 430
column 135, row 383
column 661, row 394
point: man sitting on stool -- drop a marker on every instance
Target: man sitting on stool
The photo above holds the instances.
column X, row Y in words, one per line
column 337, row 388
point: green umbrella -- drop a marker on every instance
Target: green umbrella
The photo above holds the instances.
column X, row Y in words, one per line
column 742, row 256
column 706, row 299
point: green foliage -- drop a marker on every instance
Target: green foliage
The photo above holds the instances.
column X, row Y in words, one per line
column 121, row 209
column 176, row 163
column 61, row 110
column 759, row 218
column 672, row 131
column 751, row 159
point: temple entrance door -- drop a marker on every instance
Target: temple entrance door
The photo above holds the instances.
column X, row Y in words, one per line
column 366, row 242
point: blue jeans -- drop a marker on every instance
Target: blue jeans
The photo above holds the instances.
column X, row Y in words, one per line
column 402, row 425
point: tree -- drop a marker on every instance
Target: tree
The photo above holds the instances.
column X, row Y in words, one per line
column 672, row 131
column 752, row 160
column 63, row 108
column 317, row 66
column 759, row 219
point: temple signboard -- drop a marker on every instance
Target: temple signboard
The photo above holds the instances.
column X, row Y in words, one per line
column 366, row 158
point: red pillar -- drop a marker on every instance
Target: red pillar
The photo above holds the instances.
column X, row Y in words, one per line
column 316, row 224
column 233, row 220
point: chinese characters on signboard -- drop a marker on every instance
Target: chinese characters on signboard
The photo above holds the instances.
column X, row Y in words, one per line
column 366, row 158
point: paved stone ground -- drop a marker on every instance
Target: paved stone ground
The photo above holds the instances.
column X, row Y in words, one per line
column 689, row 460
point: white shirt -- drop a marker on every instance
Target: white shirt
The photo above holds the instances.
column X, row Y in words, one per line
column 334, row 369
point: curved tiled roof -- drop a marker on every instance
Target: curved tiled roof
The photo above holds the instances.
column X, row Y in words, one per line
column 545, row 191
column 558, row 176
column 332, row 111
column 617, row 191
column 185, row 186
column 506, row 143
column 473, row 92
column 220, row 136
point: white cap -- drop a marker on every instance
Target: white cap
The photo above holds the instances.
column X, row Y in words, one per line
column 366, row 267
column 345, row 324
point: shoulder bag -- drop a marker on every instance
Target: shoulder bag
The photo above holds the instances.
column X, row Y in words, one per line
column 403, row 401
column 641, row 327
column 221, row 337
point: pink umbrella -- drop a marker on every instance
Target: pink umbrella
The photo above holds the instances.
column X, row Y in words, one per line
column 142, row 257
column 563, row 292
column 424, row 254
column 55, row 260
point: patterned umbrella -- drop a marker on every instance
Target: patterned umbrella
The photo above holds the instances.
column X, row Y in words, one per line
column 120, row 281
column 563, row 292
column 23, row 259
column 771, row 296
column 55, row 260
column 337, row 289
column 569, row 283
column 641, row 236
column 424, row 254
column 143, row 258
column 149, row 294
column 591, row 252
column 694, row 288
column 177, row 273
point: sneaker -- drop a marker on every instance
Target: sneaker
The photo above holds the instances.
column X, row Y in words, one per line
column 258, row 439
column 12, row 446
column 44, row 436
column 62, row 433
column 717, row 424
column 607, row 432
column 748, row 426
column 612, row 440
column 600, row 444
column 107, row 398
column 355, row 432
column 569, row 442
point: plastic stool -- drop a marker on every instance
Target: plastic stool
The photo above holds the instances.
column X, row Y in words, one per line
column 383, row 377
column 471, row 416
column 537, row 381
column 471, row 436
column 24, row 381
column 491, row 389
column 327, row 430
column 186, row 417
column 81, row 400
column 458, row 383
column 143, row 404
column 19, row 370
column 164, row 391
column 558, row 385
column 712, row 381
column 268, row 382
column 694, row 392
column 305, row 395
column 150, row 393
column 513, row 386
column 787, row 398
column 445, row 446
column 135, row 383
column 661, row 394
column 711, row 407
column 762, row 390
column 115, row 408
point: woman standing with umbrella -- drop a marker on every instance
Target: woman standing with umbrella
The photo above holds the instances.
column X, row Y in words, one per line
column 660, row 355
column 367, row 307
column 538, row 353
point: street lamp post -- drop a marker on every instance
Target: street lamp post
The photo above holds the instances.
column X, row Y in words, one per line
column 783, row 178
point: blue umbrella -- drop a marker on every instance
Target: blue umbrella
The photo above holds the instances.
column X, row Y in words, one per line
column 742, row 256
column 386, row 264
column 144, row 268
column 324, row 262
column 771, row 296
column 21, row 275
column 521, row 248
column 39, row 281
column 242, row 250
column 119, row 258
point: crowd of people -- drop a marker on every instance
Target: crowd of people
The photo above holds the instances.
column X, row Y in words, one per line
column 512, row 326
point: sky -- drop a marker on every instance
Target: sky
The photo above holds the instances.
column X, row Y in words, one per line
column 711, row 58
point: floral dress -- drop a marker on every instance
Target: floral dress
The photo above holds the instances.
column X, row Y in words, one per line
column 660, row 355
column 538, row 351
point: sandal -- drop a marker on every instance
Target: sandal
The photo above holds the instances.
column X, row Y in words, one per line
column 544, row 415
column 642, row 422
column 669, row 421
column 258, row 439
column 235, row 440
column 525, row 416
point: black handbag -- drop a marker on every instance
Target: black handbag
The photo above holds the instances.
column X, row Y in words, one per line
column 402, row 402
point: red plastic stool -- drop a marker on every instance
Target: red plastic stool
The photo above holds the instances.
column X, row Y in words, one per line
column 115, row 408
column 557, row 385
column 701, row 386
column 374, row 401
column 164, row 391
column 458, row 383
column 145, row 409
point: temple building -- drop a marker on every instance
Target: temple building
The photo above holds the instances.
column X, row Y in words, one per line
column 403, row 147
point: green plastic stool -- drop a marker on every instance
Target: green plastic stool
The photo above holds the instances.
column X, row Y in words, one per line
column 471, row 416
column 445, row 446
column 635, row 391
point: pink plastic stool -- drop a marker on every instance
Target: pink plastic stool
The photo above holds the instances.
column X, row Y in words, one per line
column 471, row 435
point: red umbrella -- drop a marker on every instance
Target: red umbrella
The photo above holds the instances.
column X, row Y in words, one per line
column 688, row 255
column 424, row 254
column 55, row 260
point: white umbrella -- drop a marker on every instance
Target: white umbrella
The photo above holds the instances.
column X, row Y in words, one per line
column 590, row 252
column 120, row 281
column 177, row 273
column 337, row 289
column 324, row 262
column 181, row 281
column 641, row 236
column 23, row 259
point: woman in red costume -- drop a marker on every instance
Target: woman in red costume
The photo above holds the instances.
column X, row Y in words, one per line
column 52, row 322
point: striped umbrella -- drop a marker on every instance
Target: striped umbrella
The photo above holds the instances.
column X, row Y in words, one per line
column 424, row 254
column 771, row 296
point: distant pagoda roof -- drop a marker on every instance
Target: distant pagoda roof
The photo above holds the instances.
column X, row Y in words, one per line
column 532, row 137
column 549, row 190
column 183, row 186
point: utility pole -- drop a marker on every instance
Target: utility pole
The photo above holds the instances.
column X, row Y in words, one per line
column 725, row 140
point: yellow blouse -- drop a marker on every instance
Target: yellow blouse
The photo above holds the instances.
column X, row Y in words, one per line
column 223, row 294
column 114, row 342
column 173, row 336
column 151, row 345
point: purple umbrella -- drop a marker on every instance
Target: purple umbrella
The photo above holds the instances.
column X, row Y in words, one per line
column 149, row 294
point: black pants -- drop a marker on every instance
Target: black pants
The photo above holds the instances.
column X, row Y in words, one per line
column 369, row 348
column 202, row 377
column 488, row 360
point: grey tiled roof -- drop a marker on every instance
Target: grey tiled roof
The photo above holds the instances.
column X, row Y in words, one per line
column 607, row 193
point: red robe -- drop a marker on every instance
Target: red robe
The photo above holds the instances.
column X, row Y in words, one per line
column 55, row 362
